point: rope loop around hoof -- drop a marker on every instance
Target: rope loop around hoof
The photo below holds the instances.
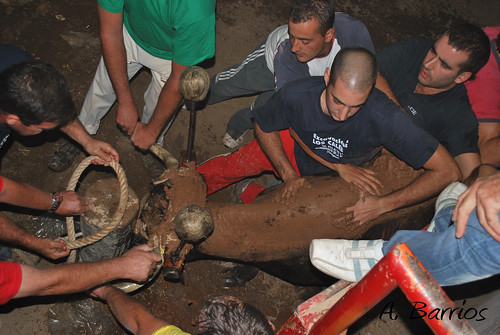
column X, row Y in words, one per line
column 72, row 243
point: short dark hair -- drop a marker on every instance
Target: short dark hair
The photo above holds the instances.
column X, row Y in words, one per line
column 356, row 66
column 322, row 10
column 231, row 316
column 36, row 92
column 473, row 40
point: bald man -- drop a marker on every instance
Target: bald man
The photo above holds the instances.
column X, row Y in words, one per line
column 336, row 122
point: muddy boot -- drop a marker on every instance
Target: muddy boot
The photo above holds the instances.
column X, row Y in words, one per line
column 63, row 157
column 238, row 275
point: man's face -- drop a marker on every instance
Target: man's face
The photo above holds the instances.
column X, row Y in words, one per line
column 441, row 66
column 341, row 103
column 34, row 129
column 307, row 42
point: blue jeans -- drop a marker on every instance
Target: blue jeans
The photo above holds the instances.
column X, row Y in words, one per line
column 449, row 260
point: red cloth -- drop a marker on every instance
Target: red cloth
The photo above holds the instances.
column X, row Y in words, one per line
column 248, row 161
column 10, row 280
column 484, row 91
column 1, row 184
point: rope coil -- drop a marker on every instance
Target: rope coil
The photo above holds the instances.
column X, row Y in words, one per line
column 72, row 243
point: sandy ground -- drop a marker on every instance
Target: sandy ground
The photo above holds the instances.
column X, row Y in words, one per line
column 65, row 33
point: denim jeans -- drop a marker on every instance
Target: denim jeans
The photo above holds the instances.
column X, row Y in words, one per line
column 449, row 260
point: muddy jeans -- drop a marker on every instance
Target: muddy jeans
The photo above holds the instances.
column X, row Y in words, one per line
column 248, row 161
column 101, row 95
column 449, row 260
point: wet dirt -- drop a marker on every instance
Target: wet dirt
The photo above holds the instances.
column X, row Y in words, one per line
column 65, row 33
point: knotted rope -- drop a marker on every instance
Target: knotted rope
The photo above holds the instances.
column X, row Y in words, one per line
column 72, row 243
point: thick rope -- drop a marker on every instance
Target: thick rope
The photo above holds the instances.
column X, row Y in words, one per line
column 72, row 243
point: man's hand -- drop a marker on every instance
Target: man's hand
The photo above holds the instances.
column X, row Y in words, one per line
column 143, row 137
column 74, row 204
column 101, row 149
column 51, row 249
column 102, row 292
column 366, row 209
column 139, row 262
column 363, row 178
column 292, row 185
column 484, row 195
column 126, row 117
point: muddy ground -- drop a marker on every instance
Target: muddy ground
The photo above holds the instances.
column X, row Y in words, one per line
column 65, row 33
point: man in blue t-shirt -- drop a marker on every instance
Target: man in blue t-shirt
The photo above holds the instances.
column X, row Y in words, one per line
column 305, row 47
column 338, row 127
column 426, row 77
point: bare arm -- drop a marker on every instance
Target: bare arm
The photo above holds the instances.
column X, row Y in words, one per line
column 467, row 163
column 115, row 57
column 12, row 234
column 129, row 312
column 440, row 170
column 76, row 131
column 383, row 85
column 137, row 264
column 24, row 195
column 145, row 135
column 489, row 143
column 273, row 148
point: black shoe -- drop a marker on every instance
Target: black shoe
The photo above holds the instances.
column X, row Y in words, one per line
column 63, row 157
column 238, row 275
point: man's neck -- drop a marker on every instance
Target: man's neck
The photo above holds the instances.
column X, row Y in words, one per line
column 426, row 90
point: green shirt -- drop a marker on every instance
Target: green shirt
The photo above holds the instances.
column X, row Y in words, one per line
column 179, row 30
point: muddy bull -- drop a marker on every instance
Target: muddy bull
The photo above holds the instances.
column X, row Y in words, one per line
column 267, row 230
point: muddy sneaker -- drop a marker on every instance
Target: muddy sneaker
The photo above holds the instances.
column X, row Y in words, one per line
column 63, row 157
column 345, row 259
column 231, row 140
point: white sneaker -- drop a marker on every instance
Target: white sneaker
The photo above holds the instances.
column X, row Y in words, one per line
column 231, row 143
column 345, row 259
column 449, row 195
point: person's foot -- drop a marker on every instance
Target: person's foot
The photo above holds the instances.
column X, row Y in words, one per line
column 63, row 157
column 233, row 138
column 238, row 275
column 345, row 259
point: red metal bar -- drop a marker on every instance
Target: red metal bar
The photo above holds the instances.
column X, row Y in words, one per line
column 398, row 268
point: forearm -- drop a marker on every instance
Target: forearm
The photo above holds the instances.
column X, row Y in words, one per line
column 130, row 313
column 77, row 132
column 169, row 99
column 21, row 194
column 68, row 278
column 440, row 170
column 271, row 144
column 13, row 234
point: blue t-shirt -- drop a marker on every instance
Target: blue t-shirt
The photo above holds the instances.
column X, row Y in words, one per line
column 378, row 123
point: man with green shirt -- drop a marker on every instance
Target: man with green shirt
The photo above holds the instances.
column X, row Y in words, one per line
column 164, row 36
